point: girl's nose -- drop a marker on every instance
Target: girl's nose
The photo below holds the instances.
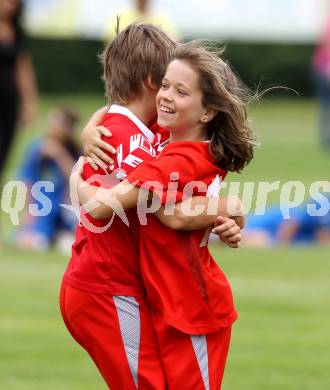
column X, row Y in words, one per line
column 167, row 94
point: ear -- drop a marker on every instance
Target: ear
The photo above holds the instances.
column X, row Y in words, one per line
column 151, row 84
column 208, row 115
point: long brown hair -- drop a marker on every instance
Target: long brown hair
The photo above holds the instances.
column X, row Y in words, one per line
column 231, row 139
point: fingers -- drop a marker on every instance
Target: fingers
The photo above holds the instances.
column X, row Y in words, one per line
column 219, row 220
column 226, row 225
column 232, row 242
column 104, row 131
column 98, row 158
column 95, row 162
column 92, row 162
column 236, row 238
column 104, row 145
column 96, row 148
column 101, row 155
column 230, row 232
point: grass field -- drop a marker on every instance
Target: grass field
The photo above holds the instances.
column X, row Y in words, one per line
column 281, row 340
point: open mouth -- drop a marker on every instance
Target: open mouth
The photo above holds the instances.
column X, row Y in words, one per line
column 166, row 109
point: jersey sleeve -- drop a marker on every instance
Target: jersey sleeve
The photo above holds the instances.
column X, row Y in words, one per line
column 175, row 176
column 182, row 170
column 157, row 176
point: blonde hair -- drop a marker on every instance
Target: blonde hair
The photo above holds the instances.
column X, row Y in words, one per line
column 231, row 140
column 139, row 51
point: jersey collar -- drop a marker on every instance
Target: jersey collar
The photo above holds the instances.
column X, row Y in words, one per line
column 117, row 109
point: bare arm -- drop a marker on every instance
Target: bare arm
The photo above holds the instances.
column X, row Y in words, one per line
column 94, row 120
column 27, row 87
column 101, row 202
column 224, row 214
column 185, row 215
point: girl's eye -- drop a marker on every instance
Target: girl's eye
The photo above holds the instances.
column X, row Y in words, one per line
column 164, row 86
column 182, row 93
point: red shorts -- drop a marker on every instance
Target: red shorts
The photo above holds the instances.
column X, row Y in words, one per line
column 118, row 334
column 192, row 362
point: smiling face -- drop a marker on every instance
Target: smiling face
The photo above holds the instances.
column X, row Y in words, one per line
column 179, row 102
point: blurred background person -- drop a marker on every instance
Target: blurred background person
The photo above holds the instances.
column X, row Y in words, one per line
column 141, row 11
column 17, row 82
column 50, row 158
column 321, row 66
column 302, row 228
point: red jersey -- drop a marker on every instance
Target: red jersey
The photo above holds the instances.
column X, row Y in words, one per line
column 105, row 256
column 183, row 282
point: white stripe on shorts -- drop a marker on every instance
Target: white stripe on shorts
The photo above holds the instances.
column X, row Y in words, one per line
column 200, row 347
column 129, row 321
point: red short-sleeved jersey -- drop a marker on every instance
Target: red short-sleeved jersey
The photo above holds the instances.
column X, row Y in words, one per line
column 106, row 259
column 182, row 280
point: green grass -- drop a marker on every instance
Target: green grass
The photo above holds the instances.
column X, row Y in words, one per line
column 36, row 351
column 281, row 339
column 289, row 150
